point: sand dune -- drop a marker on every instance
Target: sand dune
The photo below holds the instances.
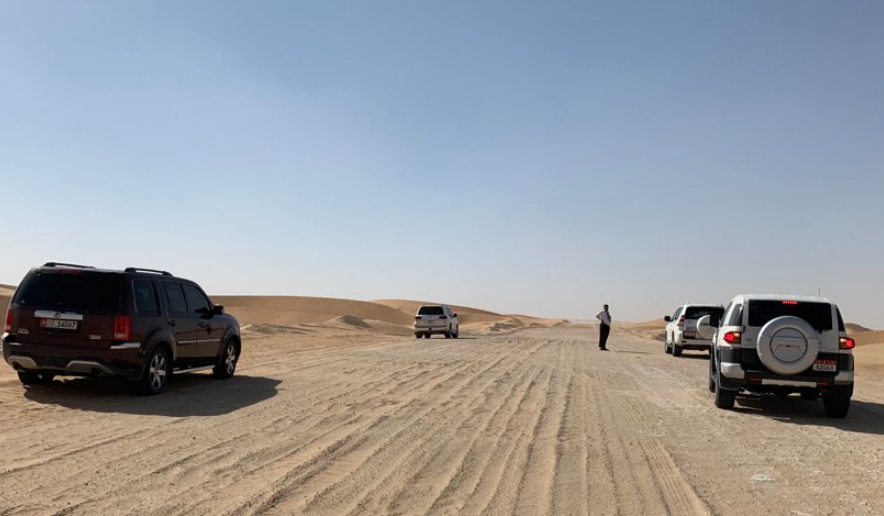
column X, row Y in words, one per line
column 855, row 328
column 310, row 310
column 869, row 337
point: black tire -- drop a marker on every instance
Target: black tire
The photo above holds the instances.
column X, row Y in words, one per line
column 724, row 399
column 810, row 395
column 34, row 377
column 836, row 406
column 711, row 371
column 448, row 333
column 676, row 350
column 226, row 365
column 157, row 372
column 456, row 334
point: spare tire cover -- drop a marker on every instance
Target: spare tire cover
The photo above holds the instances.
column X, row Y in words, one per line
column 788, row 345
column 704, row 330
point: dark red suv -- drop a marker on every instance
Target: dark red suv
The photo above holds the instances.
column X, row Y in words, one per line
column 138, row 324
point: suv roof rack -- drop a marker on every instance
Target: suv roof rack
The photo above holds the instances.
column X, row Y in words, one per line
column 62, row 264
column 140, row 269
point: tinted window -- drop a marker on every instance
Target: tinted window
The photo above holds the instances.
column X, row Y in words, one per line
column 145, row 297
column 70, row 291
column 677, row 313
column 840, row 320
column 818, row 315
column 736, row 318
column 196, row 300
column 430, row 310
column 695, row 312
column 175, row 298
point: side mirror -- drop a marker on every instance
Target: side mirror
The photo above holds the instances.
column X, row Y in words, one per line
column 453, row 315
column 217, row 309
column 667, row 319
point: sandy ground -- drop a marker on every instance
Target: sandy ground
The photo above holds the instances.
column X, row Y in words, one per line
column 531, row 422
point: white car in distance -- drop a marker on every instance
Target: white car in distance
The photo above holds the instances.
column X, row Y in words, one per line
column 436, row 320
column 689, row 328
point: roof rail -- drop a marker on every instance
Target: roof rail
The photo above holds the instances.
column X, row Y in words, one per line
column 62, row 264
column 139, row 269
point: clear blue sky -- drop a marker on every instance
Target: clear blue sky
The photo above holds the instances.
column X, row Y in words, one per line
column 535, row 157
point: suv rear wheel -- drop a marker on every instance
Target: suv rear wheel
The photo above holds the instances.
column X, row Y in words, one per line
column 34, row 377
column 676, row 350
column 724, row 399
column 836, row 406
column 227, row 363
column 157, row 372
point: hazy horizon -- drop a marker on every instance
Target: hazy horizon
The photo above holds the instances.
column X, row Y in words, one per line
column 520, row 157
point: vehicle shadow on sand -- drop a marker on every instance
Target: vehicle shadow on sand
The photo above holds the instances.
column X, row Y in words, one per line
column 865, row 417
column 186, row 395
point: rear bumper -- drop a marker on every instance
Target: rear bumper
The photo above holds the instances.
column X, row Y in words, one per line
column 123, row 360
column 432, row 330
column 687, row 343
column 734, row 371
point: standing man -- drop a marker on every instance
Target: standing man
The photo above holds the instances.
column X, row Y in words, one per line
column 604, row 318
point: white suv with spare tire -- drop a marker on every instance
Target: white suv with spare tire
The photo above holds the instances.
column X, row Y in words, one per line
column 689, row 328
column 782, row 345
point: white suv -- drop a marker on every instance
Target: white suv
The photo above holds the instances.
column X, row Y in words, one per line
column 436, row 320
column 689, row 328
column 783, row 345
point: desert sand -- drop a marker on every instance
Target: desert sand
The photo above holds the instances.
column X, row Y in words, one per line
column 336, row 409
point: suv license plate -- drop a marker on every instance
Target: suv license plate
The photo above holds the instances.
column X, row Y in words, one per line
column 825, row 366
column 690, row 334
column 58, row 324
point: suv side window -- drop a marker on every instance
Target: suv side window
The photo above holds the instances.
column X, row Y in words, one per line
column 175, row 298
column 196, row 300
column 677, row 313
column 736, row 316
column 146, row 302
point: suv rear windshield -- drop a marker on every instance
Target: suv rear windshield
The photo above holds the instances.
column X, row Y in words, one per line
column 430, row 310
column 818, row 315
column 70, row 291
column 695, row 312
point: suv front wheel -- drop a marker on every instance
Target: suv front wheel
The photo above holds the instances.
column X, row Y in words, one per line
column 227, row 363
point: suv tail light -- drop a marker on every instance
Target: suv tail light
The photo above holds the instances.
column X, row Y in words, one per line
column 9, row 320
column 733, row 337
column 845, row 343
column 417, row 318
column 121, row 327
column 681, row 321
column 443, row 317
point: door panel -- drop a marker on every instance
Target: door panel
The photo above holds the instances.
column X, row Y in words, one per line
column 208, row 330
column 181, row 321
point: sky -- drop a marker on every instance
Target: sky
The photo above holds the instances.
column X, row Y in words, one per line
column 524, row 157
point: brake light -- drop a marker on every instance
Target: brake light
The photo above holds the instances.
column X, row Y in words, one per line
column 121, row 327
column 733, row 337
column 681, row 321
column 443, row 317
column 846, row 343
column 9, row 320
column 790, row 302
column 418, row 318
